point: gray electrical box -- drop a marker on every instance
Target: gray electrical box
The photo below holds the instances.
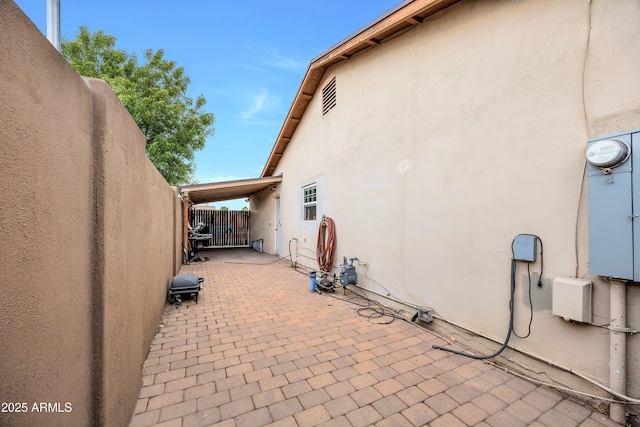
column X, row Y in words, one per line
column 525, row 248
column 614, row 204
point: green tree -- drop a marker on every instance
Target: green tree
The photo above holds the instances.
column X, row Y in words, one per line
column 154, row 93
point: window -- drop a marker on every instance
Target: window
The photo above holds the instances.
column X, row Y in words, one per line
column 309, row 199
column 329, row 96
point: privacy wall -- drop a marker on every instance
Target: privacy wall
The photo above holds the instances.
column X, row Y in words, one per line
column 451, row 138
column 89, row 232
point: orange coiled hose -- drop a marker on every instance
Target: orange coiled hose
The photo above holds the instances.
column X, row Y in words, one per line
column 326, row 244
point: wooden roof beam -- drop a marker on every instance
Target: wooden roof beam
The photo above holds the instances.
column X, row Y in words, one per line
column 413, row 20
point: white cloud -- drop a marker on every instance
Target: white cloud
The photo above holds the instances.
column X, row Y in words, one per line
column 282, row 62
column 258, row 104
column 262, row 102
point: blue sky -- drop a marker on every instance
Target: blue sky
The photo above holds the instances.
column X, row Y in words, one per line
column 247, row 58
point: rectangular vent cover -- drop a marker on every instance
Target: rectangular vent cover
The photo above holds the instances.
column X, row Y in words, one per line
column 329, row 96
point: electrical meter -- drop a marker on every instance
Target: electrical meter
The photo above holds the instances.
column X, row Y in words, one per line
column 607, row 153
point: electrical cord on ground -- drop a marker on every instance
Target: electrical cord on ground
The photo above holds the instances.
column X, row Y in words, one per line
column 373, row 309
column 510, row 330
column 370, row 310
column 624, row 399
column 511, row 306
column 554, row 386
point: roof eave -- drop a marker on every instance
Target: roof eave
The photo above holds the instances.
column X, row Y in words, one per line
column 227, row 190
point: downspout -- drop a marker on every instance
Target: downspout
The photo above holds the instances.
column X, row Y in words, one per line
column 618, row 347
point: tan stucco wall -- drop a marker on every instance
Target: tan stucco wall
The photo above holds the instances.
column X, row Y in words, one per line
column 262, row 219
column 138, row 210
column 46, row 227
column 452, row 138
column 88, row 238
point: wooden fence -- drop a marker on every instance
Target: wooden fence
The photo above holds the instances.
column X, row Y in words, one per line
column 229, row 229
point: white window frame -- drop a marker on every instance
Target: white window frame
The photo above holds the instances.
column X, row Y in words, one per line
column 310, row 201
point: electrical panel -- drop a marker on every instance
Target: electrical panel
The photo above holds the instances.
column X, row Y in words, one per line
column 614, row 205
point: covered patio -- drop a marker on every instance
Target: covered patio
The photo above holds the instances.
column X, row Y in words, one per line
column 260, row 348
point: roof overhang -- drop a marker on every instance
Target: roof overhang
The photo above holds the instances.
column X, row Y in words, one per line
column 227, row 190
column 401, row 18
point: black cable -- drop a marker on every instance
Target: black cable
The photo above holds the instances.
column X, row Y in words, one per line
column 511, row 304
column 541, row 263
column 529, row 278
column 530, row 306
column 368, row 311
column 506, row 340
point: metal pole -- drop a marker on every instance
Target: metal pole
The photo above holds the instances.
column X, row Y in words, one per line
column 53, row 23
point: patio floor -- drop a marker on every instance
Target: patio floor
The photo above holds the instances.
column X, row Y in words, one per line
column 260, row 348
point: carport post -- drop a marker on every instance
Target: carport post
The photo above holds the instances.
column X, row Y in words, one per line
column 185, row 225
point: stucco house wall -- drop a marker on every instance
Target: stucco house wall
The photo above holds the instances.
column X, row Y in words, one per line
column 263, row 217
column 90, row 240
column 455, row 136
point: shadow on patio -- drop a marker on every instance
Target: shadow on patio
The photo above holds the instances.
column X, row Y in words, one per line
column 260, row 348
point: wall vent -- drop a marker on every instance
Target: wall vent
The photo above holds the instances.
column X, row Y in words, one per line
column 329, row 96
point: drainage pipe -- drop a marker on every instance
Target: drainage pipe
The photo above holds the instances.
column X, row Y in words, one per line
column 618, row 346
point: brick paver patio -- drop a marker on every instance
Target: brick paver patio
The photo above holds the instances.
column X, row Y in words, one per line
column 260, row 349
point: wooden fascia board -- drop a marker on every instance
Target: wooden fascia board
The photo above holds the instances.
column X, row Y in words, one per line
column 402, row 15
column 305, row 94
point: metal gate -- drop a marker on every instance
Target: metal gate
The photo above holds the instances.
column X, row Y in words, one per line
column 229, row 229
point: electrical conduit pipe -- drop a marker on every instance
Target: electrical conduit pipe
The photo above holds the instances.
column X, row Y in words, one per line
column 617, row 347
